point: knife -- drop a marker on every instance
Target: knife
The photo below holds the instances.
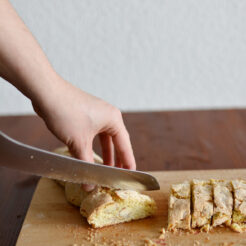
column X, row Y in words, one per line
column 32, row 160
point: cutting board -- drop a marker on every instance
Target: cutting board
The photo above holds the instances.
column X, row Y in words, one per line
column 50, row 220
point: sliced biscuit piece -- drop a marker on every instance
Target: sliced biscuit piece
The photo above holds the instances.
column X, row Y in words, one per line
column 179, row 207
column 202, row 202
column 239, row 212
column 223, row 202
column 103, row 207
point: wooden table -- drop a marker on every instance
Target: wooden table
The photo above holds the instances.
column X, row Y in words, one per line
column 180, row 140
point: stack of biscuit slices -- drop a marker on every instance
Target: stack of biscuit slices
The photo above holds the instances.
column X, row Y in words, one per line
column 204, row 204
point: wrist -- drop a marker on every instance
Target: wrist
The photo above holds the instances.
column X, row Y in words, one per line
column 43, row 93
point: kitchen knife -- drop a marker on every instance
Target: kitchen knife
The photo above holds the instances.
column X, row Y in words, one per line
column 25, row 158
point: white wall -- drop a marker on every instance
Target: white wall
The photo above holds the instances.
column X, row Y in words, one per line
column 142, row 54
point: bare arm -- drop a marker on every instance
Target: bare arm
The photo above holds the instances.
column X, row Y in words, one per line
column 74, row 116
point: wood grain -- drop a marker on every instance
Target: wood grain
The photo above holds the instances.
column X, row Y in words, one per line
column 189, row 139
column 175, row 140
column 52, row 221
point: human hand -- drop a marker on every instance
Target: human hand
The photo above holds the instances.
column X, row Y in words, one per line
column 76, row 117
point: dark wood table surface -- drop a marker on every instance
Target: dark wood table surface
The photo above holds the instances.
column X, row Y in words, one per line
column 181, row 140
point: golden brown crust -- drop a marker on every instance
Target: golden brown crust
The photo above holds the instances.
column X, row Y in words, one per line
column 92, row 203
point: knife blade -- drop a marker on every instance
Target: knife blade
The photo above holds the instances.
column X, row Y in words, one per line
column 32, row 160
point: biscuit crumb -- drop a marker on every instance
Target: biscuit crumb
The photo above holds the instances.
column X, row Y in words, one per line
column 236, row 227
column 205, row 228
column 148, row 242
column 163, row 232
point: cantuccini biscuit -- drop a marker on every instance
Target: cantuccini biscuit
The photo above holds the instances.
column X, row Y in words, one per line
column 239, row 212
column 223, row 202
column 202, row 203
column 179, row 207
column 104, row 206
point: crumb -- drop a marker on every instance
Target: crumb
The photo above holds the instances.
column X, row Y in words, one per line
column 163, row 232
column 196, row 243
column 148, row 242
column 237, row 228
column 26, row 225
column 40, row 215
column 205, row 228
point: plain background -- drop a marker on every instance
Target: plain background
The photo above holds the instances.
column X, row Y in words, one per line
column 141, row 54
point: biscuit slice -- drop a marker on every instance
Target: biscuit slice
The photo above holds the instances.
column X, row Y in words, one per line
column 223, row 202
column 239, row 212
column 179, row 207
column 202, row 202
column 103, row 206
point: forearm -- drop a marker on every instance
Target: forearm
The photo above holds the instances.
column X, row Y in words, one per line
column 72, row 115
column 22, row 61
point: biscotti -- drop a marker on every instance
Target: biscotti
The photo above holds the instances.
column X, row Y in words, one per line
column 239, row 212
column 223, row 202
column 179, row 207
column 104, row 206
column 213, row 203
column 202, row 201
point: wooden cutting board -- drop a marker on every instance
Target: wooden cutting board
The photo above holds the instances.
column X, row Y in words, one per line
column 50, row 220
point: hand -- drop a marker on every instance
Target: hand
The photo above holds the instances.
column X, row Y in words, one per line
column 76, row 117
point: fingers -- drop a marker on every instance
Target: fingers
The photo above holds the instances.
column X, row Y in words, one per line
column 82, row 149
column 107, row 149
column 124, row 152
column 118, row 162
column 121, row 140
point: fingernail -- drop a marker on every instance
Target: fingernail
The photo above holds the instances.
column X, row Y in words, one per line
column 88, row 187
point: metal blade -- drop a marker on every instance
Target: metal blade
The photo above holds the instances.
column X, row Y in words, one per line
column 22, row 157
